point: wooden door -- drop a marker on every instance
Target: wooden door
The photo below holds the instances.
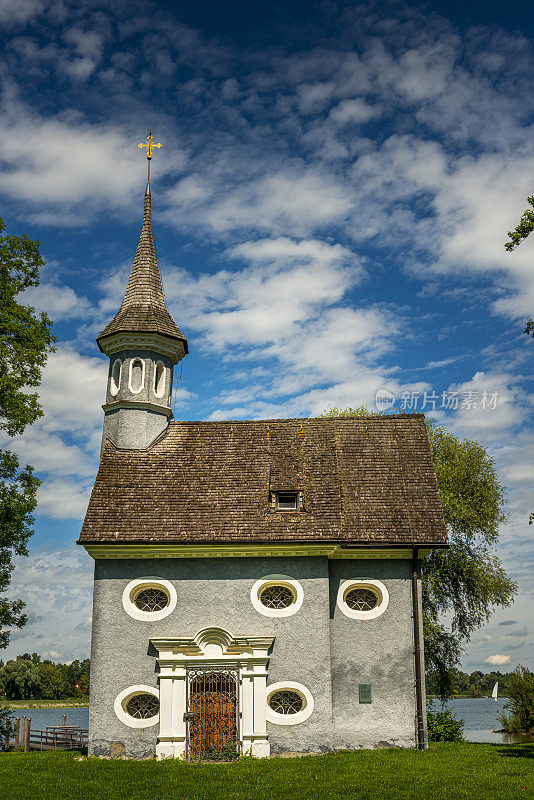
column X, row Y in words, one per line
column 212, row 714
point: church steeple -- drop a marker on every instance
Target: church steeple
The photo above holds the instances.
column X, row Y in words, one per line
column 143, row 343
column 143, row 307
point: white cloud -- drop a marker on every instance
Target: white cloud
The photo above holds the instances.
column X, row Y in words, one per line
column 59, row 302
column 498, row 660
column 56, row 587
column 489, row 404
column 353, row 111
column 63, row 499
column 65, row 162
column 63, row 445
column 15, row 11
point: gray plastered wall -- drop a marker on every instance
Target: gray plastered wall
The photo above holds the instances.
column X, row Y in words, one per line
column 318, row 647
column 379, row 652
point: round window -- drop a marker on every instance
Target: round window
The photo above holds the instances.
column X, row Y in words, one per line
column 286, row 702
column 361, row 599
column 277, row 596
column 151, row 599
column 142, row 706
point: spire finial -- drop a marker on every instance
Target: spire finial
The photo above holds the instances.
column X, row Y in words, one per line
column 149, row 144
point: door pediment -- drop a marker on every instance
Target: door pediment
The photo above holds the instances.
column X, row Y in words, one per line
column 212, row 642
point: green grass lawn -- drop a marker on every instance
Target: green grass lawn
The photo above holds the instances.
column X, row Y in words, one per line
column 456, row 771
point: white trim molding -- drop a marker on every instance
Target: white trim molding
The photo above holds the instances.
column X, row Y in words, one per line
column 137, row 585
column 212, row 647
column 115, row 383
column 365, row 583
column 119, row 706
column 290, row 719
column 276, row 580
column 163, row 377
column 143, row 371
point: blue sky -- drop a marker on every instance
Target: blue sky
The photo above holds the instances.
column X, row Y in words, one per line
column 329, row 207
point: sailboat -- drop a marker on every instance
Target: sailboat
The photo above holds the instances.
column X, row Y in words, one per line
column 495, row 690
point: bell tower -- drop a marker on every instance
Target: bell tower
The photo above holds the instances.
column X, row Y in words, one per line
column 143, row 344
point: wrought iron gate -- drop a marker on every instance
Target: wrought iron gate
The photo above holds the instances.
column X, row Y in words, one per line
column 213, row 713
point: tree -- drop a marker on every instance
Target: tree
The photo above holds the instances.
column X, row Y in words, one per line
column 467, row 581
column 53, row 684
column 464, row 583
column 520, row 705
column 25, row 341
column 518, row 235
column 19, row 679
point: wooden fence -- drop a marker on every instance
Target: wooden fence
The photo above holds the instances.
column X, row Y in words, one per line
column 54, row 737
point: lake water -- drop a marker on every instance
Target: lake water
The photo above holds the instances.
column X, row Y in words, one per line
column 479, row 715
column 41, row 717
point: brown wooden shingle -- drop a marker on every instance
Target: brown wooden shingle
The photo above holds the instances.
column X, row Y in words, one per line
column 143, row 308
column 364, row 480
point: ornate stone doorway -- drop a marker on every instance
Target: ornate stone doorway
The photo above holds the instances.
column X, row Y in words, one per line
column 213, row 713
column 212, row 691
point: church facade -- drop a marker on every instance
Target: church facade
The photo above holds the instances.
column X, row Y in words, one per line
column 257, row 583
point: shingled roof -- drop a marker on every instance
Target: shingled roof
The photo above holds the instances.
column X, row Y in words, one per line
column 365, row 480
column 143, row 308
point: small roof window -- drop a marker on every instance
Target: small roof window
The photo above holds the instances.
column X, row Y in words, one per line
column 287, row 501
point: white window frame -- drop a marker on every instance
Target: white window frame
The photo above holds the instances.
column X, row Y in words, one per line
column 290, row 719
column 112, row 382
column 132, row 362
column 119, row 706
column 363, row 583
column 276, row 580
column 151, row 582
column 160, row 363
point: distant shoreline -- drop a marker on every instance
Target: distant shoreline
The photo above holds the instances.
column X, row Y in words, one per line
column 465, row 697
column 29, row 704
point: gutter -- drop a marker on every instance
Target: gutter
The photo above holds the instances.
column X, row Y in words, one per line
column 422, row 734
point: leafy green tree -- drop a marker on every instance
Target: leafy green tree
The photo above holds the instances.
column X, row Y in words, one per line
column 518, row 235
column 25, row 341
column 523, row 229
column 7, row 725
column 53, row 683
column 518, row 716
column 78, row 678
column 19, row 679
column 466, row 582
column 442, row 726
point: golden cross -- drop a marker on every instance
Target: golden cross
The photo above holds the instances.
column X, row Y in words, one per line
column 149, row 145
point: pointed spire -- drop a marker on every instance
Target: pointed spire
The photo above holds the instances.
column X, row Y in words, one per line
column 143, row 308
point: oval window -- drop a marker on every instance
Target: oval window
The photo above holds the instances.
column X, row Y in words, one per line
column 115, row 382
column 142, row 706
column 151, row 599
column 286, row 702
column 159, row 379
column 137, row 375
column 362, row 599
column 277, row 596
